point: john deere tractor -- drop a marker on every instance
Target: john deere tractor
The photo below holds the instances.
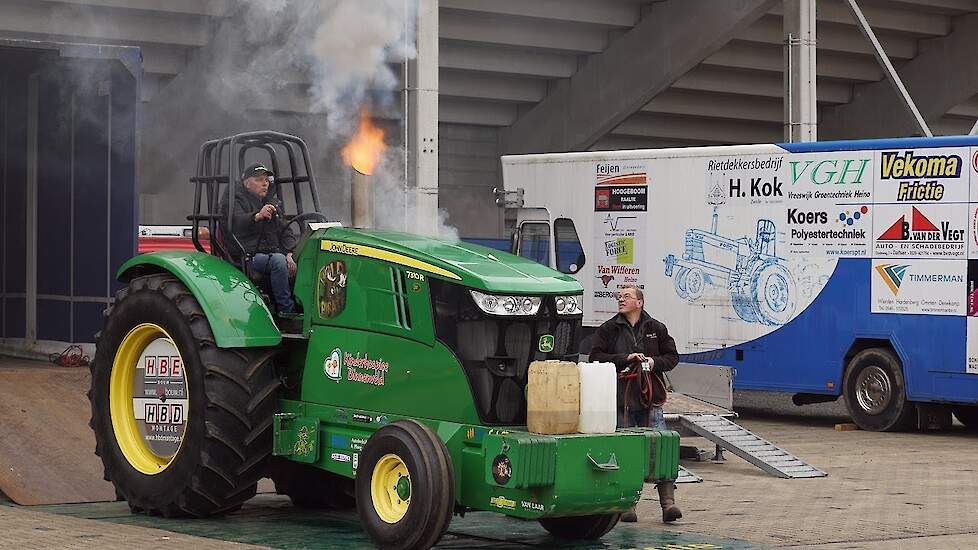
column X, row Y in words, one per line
column 400, row 389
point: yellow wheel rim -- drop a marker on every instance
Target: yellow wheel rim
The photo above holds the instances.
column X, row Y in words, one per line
column 390, row 488
column 148, row 398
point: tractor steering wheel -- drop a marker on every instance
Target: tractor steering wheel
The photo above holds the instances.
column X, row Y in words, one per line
column 300, row 219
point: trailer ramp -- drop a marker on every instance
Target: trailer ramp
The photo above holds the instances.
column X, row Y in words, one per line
column 748, row 446
column 46, row 446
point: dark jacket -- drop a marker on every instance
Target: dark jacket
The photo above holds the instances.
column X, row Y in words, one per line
column 616, row 339
column 260, row 236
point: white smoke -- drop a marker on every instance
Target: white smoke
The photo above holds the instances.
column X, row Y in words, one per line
column 348, row 50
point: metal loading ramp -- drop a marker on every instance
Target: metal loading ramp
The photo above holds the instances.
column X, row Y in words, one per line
column 743, row 443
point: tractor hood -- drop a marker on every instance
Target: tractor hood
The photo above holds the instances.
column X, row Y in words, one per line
column 467, row 264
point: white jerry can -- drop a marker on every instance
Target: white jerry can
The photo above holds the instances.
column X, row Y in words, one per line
column 599, row 390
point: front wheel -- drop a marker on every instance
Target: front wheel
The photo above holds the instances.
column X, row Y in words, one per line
column 875, row 392
column 581, row 527
column 405, row 487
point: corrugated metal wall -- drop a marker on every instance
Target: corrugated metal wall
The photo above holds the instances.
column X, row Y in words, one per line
column 68, row 149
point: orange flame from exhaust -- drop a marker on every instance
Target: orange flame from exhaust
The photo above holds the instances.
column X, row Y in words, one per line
column 364, row 150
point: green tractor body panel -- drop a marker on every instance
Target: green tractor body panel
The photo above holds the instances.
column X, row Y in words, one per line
column 381, row 372
column 236, row 313
column 470, row 265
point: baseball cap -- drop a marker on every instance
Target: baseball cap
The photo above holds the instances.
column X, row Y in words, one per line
column 255, row 170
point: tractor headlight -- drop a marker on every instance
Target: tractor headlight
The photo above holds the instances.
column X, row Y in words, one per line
column 568, row 305
column 506, row 305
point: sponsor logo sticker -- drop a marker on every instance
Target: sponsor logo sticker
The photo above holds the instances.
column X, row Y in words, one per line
column 502, row 503
column 333, row 365
column 546, row 344
column 529, row 505
column 892, row 275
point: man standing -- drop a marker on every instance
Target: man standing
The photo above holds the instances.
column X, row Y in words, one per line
column 257, row 224
column 642, row 350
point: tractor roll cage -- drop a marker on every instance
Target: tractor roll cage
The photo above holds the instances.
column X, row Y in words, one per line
column 219, row 163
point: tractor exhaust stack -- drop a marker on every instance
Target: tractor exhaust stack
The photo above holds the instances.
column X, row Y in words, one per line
column 362, row 153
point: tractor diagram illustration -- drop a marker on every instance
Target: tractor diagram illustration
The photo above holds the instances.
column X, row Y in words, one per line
column 761, row 288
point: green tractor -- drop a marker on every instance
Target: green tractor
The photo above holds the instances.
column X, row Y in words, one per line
column 400, row 389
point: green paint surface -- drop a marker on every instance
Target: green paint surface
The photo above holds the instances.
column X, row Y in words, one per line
column 270, row 520
column 233, row 305
column 478, row 267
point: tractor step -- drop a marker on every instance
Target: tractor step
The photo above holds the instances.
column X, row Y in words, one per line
column 743, row 443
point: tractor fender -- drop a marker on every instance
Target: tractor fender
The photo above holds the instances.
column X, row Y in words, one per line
column 235, row 311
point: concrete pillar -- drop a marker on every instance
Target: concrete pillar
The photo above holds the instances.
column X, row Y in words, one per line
column 800, row 99
column 422, row 122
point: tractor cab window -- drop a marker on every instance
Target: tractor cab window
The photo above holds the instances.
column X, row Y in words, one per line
column 535, row 241
column 570, row 253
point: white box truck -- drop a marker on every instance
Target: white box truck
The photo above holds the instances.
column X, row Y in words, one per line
column 821, row 269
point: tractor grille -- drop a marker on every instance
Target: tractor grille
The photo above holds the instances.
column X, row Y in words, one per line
column 495, row 352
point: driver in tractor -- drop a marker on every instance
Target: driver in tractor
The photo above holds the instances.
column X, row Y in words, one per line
column 258, row 224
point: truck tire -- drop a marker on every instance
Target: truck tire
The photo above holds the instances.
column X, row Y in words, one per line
column 183, row 427
column 310, row 487
column 405, row 487
column 967, row 415
column 581, row 527
column 875, row 391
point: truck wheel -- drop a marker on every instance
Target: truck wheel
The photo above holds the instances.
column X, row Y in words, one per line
column 405, row 487
column 875, row 391
column 967, row 415
column 183, row 427
column 310, row 487
column 773, row 290
column 581, row 527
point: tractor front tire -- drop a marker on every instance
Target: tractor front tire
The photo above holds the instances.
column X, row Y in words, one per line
column 405, row 487
column 581, row 527
column 183, row 427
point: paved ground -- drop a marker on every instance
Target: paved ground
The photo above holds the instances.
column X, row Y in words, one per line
column 884, row 491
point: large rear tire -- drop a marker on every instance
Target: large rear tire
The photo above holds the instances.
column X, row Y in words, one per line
column 183, row 427
column 405, row 487
column 311, row 487
column 875, row 392
column 581, row 527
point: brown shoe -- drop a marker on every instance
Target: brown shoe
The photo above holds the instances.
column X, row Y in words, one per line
column 667, row 499
column 629, row 516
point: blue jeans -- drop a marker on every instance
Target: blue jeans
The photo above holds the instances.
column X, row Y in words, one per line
column 276, row 267
column 651, row 418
